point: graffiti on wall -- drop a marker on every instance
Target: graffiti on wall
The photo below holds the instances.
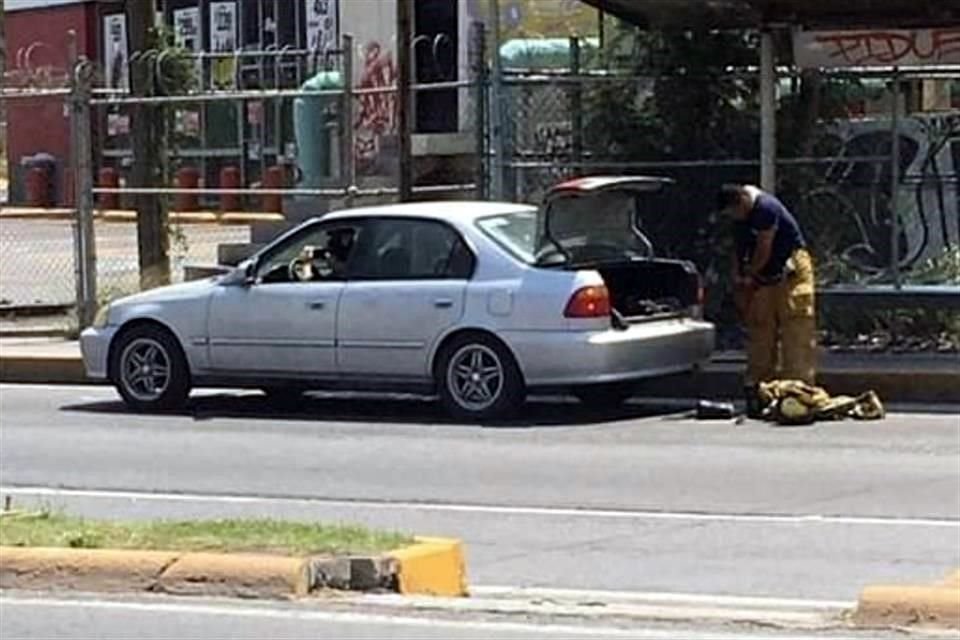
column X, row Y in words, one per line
column 377, row 114
column 885, row 48
column 37, row 66
column 850, row 215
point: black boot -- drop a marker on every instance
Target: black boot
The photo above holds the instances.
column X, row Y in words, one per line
column 751, row 395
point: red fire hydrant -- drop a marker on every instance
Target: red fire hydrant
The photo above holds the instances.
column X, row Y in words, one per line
column 187, row 178
column 273, row 178
column 230, row 179
column 39, row 185
column 108, row 178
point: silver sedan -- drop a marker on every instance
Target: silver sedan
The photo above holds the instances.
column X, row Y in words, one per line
column 479, row 302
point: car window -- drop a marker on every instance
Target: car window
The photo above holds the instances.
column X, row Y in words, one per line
column 319, row 252
column 516, row 232
column 399, row 249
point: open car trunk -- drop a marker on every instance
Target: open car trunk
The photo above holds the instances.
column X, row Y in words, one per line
column 651, row 288
column 594, row 223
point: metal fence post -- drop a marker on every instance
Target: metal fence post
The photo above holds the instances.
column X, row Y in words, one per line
column 895, row 179
column 480, row 77
column 768, row 112
column 576, row 104
column 85, row 252
column 498, row 161
column 348, row 167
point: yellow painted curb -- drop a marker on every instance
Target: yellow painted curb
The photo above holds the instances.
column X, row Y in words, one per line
column 210, row 574
column 236, row 575
column 89, row 569
column 46, row 369
column 885, row 605
column 431, row 566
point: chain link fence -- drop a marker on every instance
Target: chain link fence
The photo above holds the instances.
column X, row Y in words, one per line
column 870, row 220
column 248, row 143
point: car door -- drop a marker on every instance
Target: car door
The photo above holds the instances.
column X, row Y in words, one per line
column 406, row 287
column 279, row 324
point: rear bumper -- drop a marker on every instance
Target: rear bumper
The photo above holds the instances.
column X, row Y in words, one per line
column 590, row 357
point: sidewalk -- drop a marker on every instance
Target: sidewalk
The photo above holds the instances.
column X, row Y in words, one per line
column 926, row 378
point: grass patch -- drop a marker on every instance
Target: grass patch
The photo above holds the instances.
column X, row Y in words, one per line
column 261, row 536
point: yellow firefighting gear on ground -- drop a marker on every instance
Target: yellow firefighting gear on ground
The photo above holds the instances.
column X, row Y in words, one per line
column 792, row 402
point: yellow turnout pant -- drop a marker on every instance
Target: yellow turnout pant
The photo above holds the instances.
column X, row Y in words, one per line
column 781, row 327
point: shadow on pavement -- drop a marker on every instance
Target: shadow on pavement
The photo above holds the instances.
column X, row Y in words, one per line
column 367, row 408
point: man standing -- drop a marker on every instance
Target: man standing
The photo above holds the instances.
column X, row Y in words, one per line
column 774, row 280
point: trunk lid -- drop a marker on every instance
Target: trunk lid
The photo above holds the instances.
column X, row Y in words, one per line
column 596, row 219
column 597, row 223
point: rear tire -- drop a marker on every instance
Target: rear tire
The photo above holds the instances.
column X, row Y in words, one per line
column 478, row 379
column 149, row 369
column 605, row 396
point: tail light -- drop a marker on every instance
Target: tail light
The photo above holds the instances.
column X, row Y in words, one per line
column 589, row 302
column 697, row 310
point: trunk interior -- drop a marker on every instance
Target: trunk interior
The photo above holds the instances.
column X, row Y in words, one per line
column 648, row 289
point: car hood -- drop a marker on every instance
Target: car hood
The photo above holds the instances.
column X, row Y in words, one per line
column 186, row 290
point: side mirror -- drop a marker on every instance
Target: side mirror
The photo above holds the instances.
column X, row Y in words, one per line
column 243, row 275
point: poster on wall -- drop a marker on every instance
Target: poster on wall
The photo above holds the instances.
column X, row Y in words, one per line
column 115, row 53
column 186, row 32
column 223, row 39
column 321, row 24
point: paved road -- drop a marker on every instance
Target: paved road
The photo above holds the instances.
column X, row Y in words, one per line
column 34, row 617
column 641, row 501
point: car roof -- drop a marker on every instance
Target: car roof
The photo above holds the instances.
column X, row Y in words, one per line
column 460, row 211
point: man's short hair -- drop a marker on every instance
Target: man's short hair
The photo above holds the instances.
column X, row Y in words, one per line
column 728, row 196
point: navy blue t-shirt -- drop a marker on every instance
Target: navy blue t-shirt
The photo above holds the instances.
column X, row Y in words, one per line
column 769, row 213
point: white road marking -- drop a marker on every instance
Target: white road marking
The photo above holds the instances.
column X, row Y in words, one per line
column 314, row 615
column 561, row 512
column 683, row 599
column 642, row 606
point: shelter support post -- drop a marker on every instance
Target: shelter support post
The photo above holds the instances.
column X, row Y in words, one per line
column 768, row 113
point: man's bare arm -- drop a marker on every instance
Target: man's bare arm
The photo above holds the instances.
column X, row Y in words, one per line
column 762, row 252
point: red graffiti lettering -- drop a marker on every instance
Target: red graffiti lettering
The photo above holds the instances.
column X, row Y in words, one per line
column 861, row 48
column 377, row 114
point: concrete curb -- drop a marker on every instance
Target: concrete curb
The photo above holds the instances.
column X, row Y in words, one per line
column 428, row 567
column 721, row 379
column 716, row 383
column 888, row 605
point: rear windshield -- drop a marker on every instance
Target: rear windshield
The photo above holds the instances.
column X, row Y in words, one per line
column 516, row 232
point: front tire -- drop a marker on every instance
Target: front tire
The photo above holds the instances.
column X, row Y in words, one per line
column 150, row 371
column 478, row 379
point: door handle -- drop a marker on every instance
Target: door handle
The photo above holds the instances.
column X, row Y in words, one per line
column 443, row 303
column 316, row 305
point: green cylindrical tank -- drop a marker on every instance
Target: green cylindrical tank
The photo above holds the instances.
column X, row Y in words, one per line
column 542, row 53
column 311, row 124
